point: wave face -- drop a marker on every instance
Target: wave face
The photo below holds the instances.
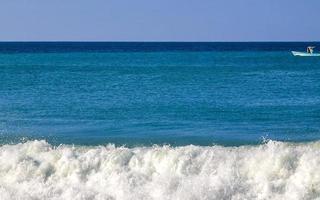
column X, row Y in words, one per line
column 275, row 170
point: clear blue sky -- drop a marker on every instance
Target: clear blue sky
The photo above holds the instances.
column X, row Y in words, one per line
column 160, row 20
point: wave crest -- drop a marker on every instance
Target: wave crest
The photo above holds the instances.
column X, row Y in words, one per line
column 275, row 170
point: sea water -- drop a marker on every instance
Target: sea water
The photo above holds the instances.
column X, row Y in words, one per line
column 159, row 121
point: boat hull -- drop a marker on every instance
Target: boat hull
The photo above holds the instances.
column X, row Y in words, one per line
column 298, row 53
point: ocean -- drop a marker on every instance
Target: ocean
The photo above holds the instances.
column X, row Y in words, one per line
column 159, row 120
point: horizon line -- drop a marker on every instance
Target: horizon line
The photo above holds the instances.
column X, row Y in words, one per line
column 154, row 41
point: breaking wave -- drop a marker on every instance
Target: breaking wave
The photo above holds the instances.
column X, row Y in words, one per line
column 275, row 170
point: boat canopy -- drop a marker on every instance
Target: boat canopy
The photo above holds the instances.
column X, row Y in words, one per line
column 310, row 49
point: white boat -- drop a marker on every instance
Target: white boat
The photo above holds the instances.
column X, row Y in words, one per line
column 308, row 53
column 299, row 53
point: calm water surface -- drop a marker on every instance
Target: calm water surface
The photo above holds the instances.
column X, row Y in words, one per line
column 158, row 93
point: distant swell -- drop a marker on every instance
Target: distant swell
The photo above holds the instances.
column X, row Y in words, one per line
column 275, row 170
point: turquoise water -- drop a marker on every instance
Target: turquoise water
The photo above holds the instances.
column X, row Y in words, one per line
column 159, row 121
column 133, row 95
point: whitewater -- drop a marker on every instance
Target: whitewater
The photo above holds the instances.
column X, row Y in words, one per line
column 274, row 170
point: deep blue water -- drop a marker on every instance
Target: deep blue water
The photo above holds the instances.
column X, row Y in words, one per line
column 158, row 93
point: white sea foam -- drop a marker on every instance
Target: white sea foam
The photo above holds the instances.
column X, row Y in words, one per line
column 275, row 170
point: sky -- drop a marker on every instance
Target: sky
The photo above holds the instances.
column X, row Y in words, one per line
column 159, row 20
